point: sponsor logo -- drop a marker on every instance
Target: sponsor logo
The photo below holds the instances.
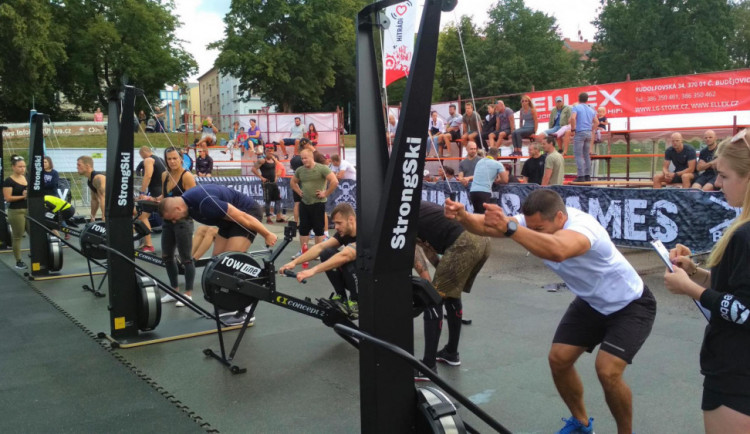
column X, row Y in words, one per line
column 240, row 266
column 732, row 310
column 299, row 306
column 410, row 182
column 38, row 169
column 122, row 198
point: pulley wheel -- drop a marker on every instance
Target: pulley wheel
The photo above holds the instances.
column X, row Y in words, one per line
column 216, row 289
column 55, row 253
column 149, row 304
column 93, row 234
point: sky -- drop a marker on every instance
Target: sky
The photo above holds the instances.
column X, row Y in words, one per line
column 203, row 21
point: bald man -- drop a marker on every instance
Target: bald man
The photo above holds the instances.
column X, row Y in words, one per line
column 683, row 158
column 707, row 163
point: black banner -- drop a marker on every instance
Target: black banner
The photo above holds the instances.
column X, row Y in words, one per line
column 631, row 216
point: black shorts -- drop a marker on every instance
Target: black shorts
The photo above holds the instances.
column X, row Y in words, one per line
column 713, row 400
column 271, row 192
column 289, row 142
column 68, row 213
column 229, row 229
column 478, row 199
column 312, row 217
column 704, row 179
column 621, row 333
column 455, row 135
column 297, row 198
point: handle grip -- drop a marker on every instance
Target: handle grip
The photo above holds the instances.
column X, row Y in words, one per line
column 290, row 273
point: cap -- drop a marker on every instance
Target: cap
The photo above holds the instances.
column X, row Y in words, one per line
column 558, row 99
column 426, row 172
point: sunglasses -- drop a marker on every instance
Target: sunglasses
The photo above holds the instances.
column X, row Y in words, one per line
column 741, row 136
column 17, row 158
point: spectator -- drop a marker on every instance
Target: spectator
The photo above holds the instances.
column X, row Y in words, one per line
column 151, row 187
column 488, row 171
column 309, row 182
column 98, row 115
column 722, row 288
column 601, row 116
column 706, row 181
column 435, row 130
column 312, row 134
column 296, row 133
column 177, row 235
column 255, row 138
column 489, row 126
column 512, row 179
column 453, row 131
column 683, row 158
column 559, row 123
column 554, row 163
column 506, row 124
column 342, row 168
column 243, row 141
column 392, row 127
column 467, row 165
column 233, row 142
column 208, row 134
column 295, row 163
column 97, row 183
column 265, row 169
column 446, row 173
column 15, row 190
column 142, row 120
column 527, row 125
column 533, row 168
column 187, row 160
column 472, row 125
column 50, row 178
column 583, row 122
column 204, row 164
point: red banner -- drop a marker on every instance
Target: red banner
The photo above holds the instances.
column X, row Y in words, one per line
column 697, row 93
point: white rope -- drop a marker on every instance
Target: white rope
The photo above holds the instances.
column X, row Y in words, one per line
column 56, row 142
column 468, row 77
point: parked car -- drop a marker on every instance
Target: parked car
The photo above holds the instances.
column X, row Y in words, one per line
column 185, row 127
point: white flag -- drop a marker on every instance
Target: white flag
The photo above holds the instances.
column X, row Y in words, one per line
column 398, row 41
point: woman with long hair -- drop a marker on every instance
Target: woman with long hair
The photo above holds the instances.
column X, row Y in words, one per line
column 527, row 124
column 723, row 287
column 178, row 235
column 312, row 134
column 15, row 188
column 50, row 178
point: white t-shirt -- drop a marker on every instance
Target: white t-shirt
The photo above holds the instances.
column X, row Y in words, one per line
column 348, row 168
column 602, row 276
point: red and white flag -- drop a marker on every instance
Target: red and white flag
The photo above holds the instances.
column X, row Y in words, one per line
column 398, row 41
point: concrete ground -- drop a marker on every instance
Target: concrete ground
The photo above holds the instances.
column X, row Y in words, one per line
column 303, row 378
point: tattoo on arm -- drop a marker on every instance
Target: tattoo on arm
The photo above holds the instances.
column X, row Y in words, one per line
column 420, row 262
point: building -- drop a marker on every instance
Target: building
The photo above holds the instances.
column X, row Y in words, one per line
column 192, row 102
column 210, row 105
column 582, row 47
column 232, row 100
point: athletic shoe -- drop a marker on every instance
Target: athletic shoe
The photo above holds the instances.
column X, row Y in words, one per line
column 420, row 376
column 353, row 307
column 269, row 220
column 168, row 299
column 580, row 179
column 238, row 319
column 449, row 358
column 147, row 249
column 341, row 304
column 20, row 265
column 297, row 255
column 181, row 304
column 574, row 426
column 280, row 220
column 336, row 297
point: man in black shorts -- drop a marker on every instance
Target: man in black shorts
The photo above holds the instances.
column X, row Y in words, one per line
column 613, row 308
column 153, row 167
column 707, row 164
column 337, row 256
column 237, row 216
column 683, row 158
column 463, row 255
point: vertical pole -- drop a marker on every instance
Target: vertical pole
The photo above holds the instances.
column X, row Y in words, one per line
column 123, row 300
column 38, row 244
column 6, row 241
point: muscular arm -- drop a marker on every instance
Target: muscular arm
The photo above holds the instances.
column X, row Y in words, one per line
column 573, row 119
column 557, row 247
column 665, row 167
column 547, row 176
column 97, row 201
column 294, row 183
column 690, row 168
column 346, row 255
column 594, row 123
column 703, row 165
column 333, row 182
column 502, row 177
column 148, row 172
column 246, row 220
column 420, row 263
column 256, row 167
column 312, row 253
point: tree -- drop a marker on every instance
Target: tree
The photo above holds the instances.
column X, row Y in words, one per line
column 32, row 49
column 739, row 44
column 116, row 42
column 647, row 38
column 292, row 53
column 451, row 80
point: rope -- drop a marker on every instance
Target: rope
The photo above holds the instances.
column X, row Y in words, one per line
column 56, row 140
column 468, row 76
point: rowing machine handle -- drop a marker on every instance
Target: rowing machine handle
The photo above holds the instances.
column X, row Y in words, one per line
column 290, row 273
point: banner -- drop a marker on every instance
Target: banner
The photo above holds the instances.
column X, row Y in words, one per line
column 398, row 41
column 22, row 131
column 632, row 217
column 696, row 93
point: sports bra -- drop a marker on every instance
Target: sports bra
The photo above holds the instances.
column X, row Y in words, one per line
column 177, row 190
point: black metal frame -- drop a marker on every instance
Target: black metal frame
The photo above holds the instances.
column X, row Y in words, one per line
column 387, row 218
column 41, row 263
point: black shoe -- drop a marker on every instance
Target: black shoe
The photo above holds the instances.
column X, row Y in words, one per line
column 516, row 154
column 588, row 178
column 420, row 376
column 449, row 358
column 21, row 265
column 237, row 319
column 580, row 179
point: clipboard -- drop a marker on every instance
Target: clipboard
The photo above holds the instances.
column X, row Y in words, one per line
column 663, row 253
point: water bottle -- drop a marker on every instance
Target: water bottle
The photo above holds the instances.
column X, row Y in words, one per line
column 304, row 250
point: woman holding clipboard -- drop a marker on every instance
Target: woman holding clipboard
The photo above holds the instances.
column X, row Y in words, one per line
column 724, row 289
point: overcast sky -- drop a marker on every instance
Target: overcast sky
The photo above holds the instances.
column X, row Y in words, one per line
column 203, row 21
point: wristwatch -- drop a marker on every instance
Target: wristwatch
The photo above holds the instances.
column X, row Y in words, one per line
column 512, row 228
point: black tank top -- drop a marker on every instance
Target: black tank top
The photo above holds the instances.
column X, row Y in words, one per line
column 94, row 174
column 154, row 186
column 177, row 190
column 268, row 170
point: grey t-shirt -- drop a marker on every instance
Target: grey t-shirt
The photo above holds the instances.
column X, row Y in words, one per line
column 297, row 132
column 555, row 161
column 466, row 166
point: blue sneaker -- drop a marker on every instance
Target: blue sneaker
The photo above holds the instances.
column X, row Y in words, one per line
column 574, row 426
